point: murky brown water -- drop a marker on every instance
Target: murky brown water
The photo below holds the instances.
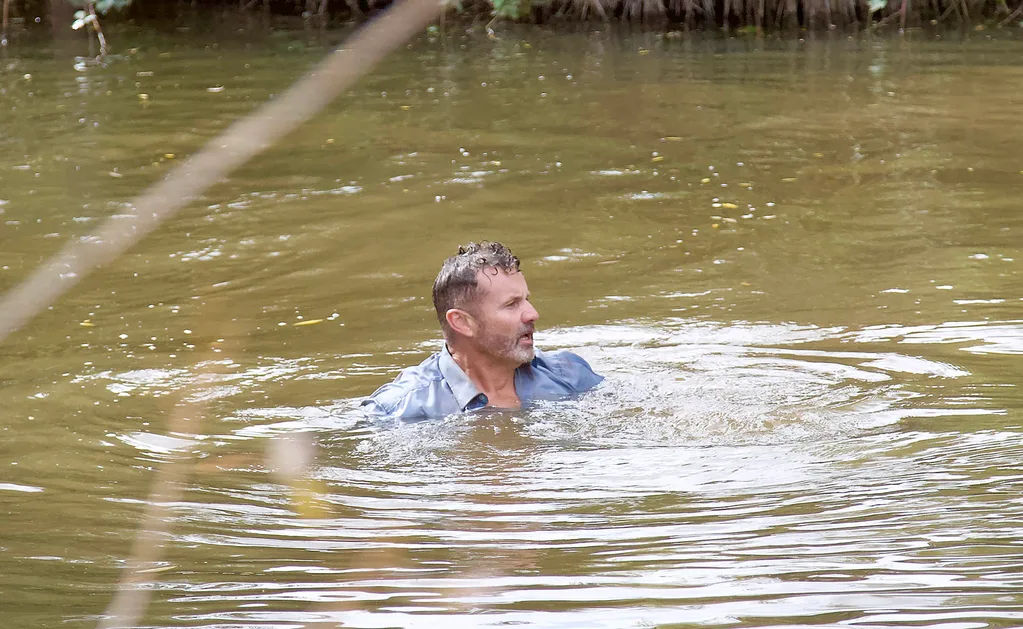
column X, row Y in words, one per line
column 797, row 264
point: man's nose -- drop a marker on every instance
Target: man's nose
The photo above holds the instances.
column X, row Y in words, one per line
column 530, row 314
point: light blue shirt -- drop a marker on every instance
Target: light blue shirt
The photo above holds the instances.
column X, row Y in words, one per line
column 438, row 387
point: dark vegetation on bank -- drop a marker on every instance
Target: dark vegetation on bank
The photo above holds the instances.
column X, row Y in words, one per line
column 740, row 15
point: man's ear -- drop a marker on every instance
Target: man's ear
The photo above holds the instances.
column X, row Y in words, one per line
column 461, row 322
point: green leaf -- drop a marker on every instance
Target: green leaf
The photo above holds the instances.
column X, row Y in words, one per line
column 105, row 6
column 510, row 9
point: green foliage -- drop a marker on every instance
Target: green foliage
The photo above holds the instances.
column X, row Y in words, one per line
column 102, row 6
column 511, row 9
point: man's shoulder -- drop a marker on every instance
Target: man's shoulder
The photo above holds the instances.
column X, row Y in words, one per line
column 422, row 374
column 393, row 397
column 558, row 358
column 569, row 367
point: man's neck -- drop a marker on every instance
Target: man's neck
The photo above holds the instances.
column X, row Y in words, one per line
column 495, row 379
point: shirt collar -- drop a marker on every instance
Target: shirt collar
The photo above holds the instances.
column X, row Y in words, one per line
column 461, row 386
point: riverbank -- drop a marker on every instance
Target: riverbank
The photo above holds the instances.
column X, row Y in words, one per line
column 490, row 16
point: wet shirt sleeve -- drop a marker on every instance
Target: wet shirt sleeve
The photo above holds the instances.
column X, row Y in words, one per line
column 397, row 399
column 557, row 375
column 577, row 372
column 386, row 400
column 419, row 392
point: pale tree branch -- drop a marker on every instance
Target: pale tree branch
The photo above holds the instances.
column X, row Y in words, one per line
column 235, row 146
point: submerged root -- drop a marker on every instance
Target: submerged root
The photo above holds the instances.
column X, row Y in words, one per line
column 772, row 14
column 1014, row 15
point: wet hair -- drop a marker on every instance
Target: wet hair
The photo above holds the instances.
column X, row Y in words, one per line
column 456, row 285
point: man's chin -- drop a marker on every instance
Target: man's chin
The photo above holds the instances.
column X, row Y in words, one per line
column 518, row 354
column 525, row 355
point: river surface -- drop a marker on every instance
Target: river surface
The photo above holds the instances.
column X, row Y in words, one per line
column 797, row 263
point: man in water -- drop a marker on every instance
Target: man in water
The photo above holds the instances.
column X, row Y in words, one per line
column 488, row 358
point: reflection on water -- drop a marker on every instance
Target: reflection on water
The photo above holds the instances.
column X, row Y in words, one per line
column 795, row 262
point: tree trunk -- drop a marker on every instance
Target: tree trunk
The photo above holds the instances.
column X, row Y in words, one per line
column 62, row 14
column 3, row 29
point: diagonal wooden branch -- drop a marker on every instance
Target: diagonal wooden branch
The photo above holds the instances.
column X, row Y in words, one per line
column 132, row 598
column 99, row 31
column 1012, row 16
column 239, row 143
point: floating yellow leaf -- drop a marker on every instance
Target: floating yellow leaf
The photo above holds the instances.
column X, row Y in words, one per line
column 405, row 107
column 715, row 225
column 158, row 569
column 818, row 154
column 659, row 158
column 87, row 324
column 143, row 96
column 745, row 184
column 729, row 219
column 644, row 51
column 729, row 206
column 330, row 140
column 495, row 163
column 705, row 180
column 673, row 138
column 308, row 322
column 788, row 179
column 115, row 174
column 169, row 155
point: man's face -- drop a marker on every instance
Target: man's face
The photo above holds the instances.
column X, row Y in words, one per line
column 504, row 316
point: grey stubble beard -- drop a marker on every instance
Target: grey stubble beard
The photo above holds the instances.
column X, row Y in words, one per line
column 507, row 349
